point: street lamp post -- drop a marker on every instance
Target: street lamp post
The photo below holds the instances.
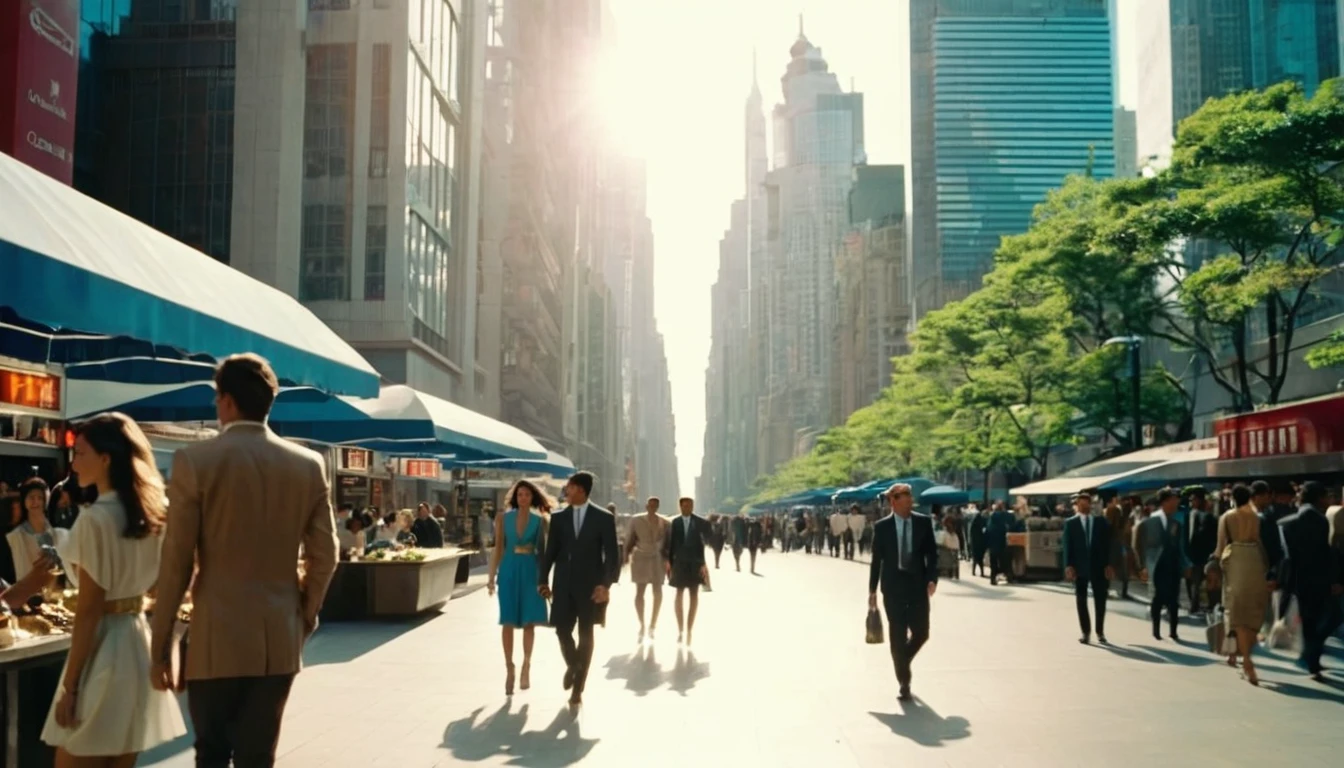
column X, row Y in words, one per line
column 1132, row 342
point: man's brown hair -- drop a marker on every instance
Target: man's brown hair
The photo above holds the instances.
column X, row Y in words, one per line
column 249, row 380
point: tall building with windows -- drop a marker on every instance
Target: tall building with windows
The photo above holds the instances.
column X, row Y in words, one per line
column 1008, row 97
column 364, row 203
column 818, row 136
column 1224, row 46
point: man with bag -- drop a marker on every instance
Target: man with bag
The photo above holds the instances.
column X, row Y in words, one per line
column 905, row 563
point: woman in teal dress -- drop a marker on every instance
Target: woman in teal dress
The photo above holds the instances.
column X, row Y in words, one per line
column 520, row 536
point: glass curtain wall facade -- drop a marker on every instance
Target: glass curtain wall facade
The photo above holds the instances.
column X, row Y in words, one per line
column 154, row 123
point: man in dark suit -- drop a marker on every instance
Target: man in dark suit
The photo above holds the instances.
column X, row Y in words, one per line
column 1000, row 523
column 583, row 548
column 1310, row 571
column 1159, row 545
column 905, row 563
column 1203, row 542
column 1087, row 555
column 684, row 553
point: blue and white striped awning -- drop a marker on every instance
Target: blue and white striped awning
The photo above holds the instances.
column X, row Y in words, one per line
column 88, row 287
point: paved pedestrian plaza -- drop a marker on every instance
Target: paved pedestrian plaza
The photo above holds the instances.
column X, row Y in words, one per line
column 780, row 676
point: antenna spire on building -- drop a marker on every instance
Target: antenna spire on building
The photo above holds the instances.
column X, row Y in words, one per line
column 800, row 25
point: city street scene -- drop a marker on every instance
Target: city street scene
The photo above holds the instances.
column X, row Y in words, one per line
column 722, row 382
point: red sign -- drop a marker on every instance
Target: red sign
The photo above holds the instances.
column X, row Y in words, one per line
column 1308, row 427
column 421, row 468
column 30, row 390
column 39, row 77
column 356, row 459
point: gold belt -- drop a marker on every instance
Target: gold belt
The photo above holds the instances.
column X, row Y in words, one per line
column 525, row 549
column 124, row 605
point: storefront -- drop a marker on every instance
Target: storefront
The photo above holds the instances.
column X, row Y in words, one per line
column 1295, row 441
column 360, row 480
column 32, row 426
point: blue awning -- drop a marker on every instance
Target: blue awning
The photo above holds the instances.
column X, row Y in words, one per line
column 945, row 495
column 404, row 421
column 554, row 465
column 196, row 402
column 84, row 283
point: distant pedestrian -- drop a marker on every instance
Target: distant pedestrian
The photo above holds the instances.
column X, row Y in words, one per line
column 644, row 549
column 1240, row 564
column 1000, row 522
column 1159, row 544
column 1087, row 553
column 684, row 553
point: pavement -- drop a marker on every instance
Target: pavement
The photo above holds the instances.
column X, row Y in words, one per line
column 779, row 675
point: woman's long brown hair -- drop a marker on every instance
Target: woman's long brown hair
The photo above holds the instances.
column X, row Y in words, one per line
column 131, row 470
column 539, row 500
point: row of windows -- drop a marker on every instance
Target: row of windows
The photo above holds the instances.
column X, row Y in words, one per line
column 433, row 27
column 325, row 253
column 328, row 130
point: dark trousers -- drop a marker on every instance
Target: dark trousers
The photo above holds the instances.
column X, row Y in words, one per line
column 1099, row 593
column 998, row 563
column 577, row 657
column 835, row 545
column 908, row 623
column 718, row 551
column 1194, row 583
column 849, row 546
column 237, row 719
column 1166, row 594
column 1320, row 617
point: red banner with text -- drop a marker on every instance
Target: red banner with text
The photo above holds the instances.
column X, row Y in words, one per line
column 39, row 78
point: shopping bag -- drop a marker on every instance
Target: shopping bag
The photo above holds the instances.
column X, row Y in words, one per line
column 873, row 633
column 1216, row 634
column 1284, row 634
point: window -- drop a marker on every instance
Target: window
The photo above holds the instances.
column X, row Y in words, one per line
column 375, row 254
column 325, row 251
column 328, row 126
column 328, row 5
column 379, row 109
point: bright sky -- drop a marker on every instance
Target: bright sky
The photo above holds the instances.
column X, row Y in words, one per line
column 681, row 73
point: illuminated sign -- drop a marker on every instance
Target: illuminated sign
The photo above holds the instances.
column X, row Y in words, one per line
column 424, row 469
column 30, row 390
column 356, row 459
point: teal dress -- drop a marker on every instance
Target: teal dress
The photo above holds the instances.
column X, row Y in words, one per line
column 519, row 603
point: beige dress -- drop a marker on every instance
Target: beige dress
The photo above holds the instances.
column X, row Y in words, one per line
column 1241, row 556
column 646, row 549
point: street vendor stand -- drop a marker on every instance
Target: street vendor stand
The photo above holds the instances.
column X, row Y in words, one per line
column 32, row 669
column 370, row 587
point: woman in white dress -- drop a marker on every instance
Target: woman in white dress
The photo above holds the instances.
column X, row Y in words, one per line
column 105, row 712
column 30, row 536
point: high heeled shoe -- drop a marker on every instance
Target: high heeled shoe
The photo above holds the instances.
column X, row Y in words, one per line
column 1250, row 676
column 524, row 679
column 508, row 682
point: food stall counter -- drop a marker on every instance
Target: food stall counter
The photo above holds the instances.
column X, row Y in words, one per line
column 32, row 668
column 389, row 583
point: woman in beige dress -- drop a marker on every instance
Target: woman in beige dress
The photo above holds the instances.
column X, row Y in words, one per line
column 1242, row 562
column 644, row 550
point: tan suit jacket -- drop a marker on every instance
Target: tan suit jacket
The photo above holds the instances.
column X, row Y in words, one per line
column 243, row 508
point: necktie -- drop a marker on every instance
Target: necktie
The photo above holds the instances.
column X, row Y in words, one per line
column 686, row 532
column 578, row 520
column 1087, row 529
column 900, row 544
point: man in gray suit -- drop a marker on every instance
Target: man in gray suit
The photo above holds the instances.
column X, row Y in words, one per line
column 1159, row 546
column 243, row 507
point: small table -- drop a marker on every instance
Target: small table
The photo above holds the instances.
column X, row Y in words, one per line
column 25, row 655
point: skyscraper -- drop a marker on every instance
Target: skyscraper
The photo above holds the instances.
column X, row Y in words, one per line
column 1008, row 97
column 1224, row 46
column 818, row 136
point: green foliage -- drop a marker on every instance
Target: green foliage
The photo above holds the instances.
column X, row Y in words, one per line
column 1255, row 190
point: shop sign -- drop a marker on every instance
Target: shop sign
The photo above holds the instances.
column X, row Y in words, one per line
column 39, row 113
column 30, row 390
column 356, row 459
column 1302, row 428
column 423, row 469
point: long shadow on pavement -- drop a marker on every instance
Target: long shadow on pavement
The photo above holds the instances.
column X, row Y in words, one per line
column 687, row 672
column 640, row 670
column 338, row 643
column 919, row 723
column 981, row 590
column 502, row 734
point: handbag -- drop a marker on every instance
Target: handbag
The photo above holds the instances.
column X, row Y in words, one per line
column 1284, row 634
column 873, row 627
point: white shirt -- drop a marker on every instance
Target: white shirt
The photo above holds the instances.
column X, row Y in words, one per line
column 903, row 529
column 856, row 522
column 1086, row 522
column 838, row 523
column 579, row 513
column 686, row 524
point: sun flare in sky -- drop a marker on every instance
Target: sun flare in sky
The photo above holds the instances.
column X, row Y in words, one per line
column 672, row 90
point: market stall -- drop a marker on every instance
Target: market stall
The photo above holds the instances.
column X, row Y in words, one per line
column 31, row 668
column 387, row 583
column 31, row 426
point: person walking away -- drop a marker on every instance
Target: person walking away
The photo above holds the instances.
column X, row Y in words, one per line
column 1119, row 522
column 582, row 547
column 520, row 536
column 1087, row 558
column 755, row 534
column 854, row 523
column 1240, row 563
column 684, row 554
column 105, row 712
column 839, row 523
column 252, row 615
column 1263, row 500
column 979, row 540
column 1159, row 544
column 996, row 540
column 739, row 537
column 644, row 550
column 717, row 537
column 1203, row 543
column 1312, row 572
column 949, row 549
column 819, row 530
column 905, row 564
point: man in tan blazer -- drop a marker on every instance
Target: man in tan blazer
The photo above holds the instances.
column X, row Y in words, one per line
column 243, row 509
